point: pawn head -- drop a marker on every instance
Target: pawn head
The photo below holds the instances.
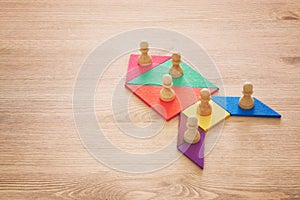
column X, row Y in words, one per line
column 167, row 80
column 248, row 87
column 192, row 121
column 144, row 45
column 205, row 94
column 176, row 56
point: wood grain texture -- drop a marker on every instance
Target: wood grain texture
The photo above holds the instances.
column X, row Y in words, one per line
column 43, row 44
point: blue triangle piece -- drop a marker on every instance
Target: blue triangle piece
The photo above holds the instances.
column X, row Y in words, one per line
column 231, row 105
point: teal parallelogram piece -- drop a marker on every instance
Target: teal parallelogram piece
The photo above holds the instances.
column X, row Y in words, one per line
column 190, row 77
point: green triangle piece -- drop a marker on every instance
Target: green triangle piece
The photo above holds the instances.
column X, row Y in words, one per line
column 190, row 77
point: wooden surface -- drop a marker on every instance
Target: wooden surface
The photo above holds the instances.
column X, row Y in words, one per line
column 43, row 44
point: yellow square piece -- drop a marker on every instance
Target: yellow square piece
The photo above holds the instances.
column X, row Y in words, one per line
column 207, row 122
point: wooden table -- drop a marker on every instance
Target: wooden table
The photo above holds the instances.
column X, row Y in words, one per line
column 42, row 48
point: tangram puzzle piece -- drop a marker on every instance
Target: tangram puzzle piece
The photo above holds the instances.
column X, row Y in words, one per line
column 194, row 152
column 231, row 105
column 190, row 77
column 207, row 122
column 150, row 95
column 135, row 70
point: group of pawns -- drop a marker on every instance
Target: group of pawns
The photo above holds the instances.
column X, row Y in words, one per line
column 167, row 94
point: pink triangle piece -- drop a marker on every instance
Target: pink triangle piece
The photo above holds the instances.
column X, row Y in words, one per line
column 134, row 70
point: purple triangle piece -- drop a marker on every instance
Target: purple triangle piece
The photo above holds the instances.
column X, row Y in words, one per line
column 194, row 152
column 134, row 70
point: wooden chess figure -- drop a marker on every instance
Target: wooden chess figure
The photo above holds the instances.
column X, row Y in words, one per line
column 176, row 70
column 204, row 108
column 246, row 102
column 167, row 94
column 144, row 59
column 192, row 135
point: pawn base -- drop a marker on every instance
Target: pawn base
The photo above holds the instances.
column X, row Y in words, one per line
column 167, row 95
column 204, row 112
column 192, row 138
column 167, row 99
column 176, row 72
column 244, row 107
column 144, row 61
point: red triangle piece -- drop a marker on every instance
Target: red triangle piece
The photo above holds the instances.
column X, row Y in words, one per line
column 150, row 95
column 134, row 70
column 185, row 97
